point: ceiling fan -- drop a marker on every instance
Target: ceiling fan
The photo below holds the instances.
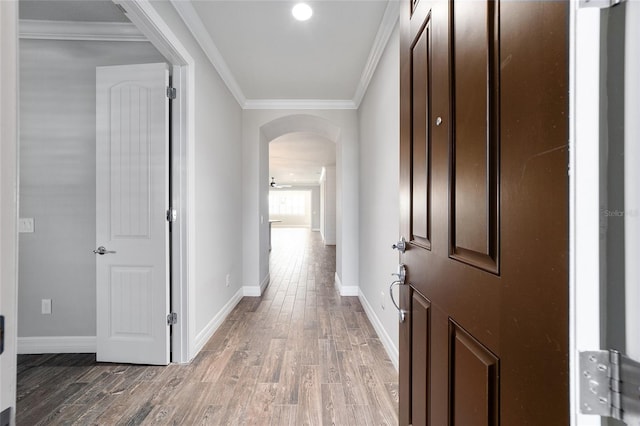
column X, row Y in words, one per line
column 273, row 184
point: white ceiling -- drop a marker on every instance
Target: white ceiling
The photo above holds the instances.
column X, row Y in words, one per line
column 273, row 56
column 298, row 158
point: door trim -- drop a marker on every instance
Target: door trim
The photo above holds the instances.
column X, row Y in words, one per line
column 584, row 226
column 149, row 22
column 9, row 129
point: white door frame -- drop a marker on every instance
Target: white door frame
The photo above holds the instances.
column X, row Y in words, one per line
column 8, row 198
column 147, row 20
column 585, row 304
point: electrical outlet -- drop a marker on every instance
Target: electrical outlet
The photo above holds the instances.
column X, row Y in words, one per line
column 228, row 281
column 46, row 306
column 26, row 225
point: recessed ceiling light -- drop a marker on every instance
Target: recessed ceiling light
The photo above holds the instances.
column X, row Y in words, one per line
column 302, row 11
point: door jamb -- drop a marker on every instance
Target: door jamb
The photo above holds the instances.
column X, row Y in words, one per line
column 584, row 216
column 149, row 22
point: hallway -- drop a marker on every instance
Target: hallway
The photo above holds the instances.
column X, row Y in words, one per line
column 300, row 354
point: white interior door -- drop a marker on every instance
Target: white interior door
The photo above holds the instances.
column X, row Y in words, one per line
column 132, row 178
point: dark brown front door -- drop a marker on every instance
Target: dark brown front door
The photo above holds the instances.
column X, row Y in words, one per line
column 484, row 206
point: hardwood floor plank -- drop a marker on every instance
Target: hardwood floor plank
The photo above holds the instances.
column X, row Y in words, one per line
column 270, row 372
column 260, row 406
column 289, row 379
column 310, row 397
column 159, row 415
column 284, row 415
column 349, row 365
column 380, row 405
column 63, row 415
column 334, row 407
column 241, row 393
column 49, row 402
column 329, row 369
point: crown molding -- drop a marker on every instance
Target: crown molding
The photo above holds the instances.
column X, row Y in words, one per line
column 389, row 21
column 198, row 30
column 88, row 31
column 299, row 104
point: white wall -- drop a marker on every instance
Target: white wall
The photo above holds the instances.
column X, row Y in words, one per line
column 328, row 206
column 216, row 248
column 8, row 197
column 315, row 208
column 256, row 186
column 57, row 179
column 379, row 188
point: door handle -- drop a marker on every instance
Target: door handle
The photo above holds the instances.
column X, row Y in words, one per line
column 401, row 274
column 102, row 251
column 401, row 245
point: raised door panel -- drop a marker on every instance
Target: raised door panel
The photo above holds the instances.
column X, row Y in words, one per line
column 474, row 380
column 130, row 162
column 474, row 169
column 420, row 350
column 420, row 141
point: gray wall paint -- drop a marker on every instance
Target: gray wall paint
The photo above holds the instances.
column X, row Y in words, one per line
column 57, row 179
column 315, row 208
column 612, row 171
column 379, row 186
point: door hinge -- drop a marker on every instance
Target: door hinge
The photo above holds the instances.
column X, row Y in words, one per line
column 1, row 334
column 610, row 386
column 600, row 4
column 171, row 92
column 172, row 318
column 172, row 215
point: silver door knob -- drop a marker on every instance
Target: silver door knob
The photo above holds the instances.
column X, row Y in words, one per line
column 401, row 245
column 102, row 251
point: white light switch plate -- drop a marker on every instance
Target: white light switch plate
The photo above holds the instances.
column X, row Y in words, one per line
column 46, row 306
column 26, row 225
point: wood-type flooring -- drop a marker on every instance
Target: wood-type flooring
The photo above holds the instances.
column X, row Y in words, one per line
column 298, row 355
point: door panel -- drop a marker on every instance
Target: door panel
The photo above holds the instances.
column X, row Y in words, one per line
column 132, row 178
column 474, row 380
column 483, row 139
column 420, row 209
column 420, row 358
column 474, row 128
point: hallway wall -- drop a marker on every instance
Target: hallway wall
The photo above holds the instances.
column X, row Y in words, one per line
column 379, row 185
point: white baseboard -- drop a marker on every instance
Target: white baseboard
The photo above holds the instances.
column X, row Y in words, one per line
column 344, row 290
column 265, row 283
column 252, row 291
column 203, row 337
column 389, row 345
column 57, row 345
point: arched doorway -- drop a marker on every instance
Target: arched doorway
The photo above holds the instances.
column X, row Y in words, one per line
column 262, row 127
